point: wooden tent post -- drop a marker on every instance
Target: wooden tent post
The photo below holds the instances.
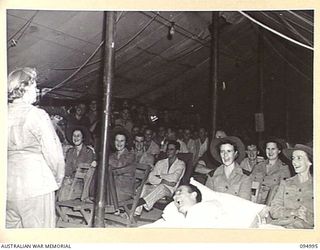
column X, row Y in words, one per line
column 260, row 71
column 108, row 68
column 214, row 56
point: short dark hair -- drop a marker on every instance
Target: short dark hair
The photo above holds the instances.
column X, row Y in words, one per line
column 121, row 133
column 175, row 143
column 226, row 141
column 279, row 146
column 193, row 188
column 139, row 135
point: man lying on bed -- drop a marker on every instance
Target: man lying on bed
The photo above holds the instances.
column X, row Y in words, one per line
column 187, row 200
column 197, row 206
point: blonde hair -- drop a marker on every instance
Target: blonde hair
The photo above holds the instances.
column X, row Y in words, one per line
column 18, row 80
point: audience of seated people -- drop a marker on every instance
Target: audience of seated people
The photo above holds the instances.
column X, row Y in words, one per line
column 217, row 163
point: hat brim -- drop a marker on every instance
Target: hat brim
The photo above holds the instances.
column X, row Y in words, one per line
column 308, row 150
column 216, row 142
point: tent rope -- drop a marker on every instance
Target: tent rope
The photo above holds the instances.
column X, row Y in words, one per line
column 81, row 67
column 283, row 58
column 276, row 32
column 137, row 34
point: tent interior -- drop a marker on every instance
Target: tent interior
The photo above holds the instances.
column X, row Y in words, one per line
column 163, row 60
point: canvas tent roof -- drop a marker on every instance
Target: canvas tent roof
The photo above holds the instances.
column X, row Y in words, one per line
column 164, row 72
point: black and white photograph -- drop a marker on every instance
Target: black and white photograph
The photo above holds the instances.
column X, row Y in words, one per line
column 159, row 119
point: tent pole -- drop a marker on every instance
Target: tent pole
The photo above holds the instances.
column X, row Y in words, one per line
column 260, row 71
column 214, row 58
column 108, row 68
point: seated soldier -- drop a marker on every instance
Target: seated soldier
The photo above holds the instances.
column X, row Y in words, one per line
column 163, row 179
column 172, row 135
column 252, row 160
column 229, row 178
column 202, row 143
column 202, row 165
column 149, row 144
column 190, row 143
column 141, row 156
column 205, row 166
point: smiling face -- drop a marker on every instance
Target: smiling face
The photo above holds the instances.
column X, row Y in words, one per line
column 139, row 143
column 272, row 151
column 120, row 142
column 202, row 134
column 184, row 199
column 125, row 114
column 80, row 109
column 300, row 161
column 187, row 134
column 252, row 152
column 227, row 154
column 93, row 105
column 77, row 137
column 148, row 135
column 135, row 130
column 171, row 151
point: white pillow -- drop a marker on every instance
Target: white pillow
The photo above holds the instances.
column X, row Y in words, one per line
column 241, row 213
column 233, row 212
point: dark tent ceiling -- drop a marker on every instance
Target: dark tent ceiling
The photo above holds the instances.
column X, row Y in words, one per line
column 153, row 69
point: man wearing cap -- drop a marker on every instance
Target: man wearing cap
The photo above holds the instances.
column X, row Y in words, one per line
column 292, row 206
column 229, row 178
column 270, row 172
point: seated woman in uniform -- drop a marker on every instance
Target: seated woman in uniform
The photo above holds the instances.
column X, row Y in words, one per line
column 229, row 178
column 292, row 206
column 270, row 172
column 120, row 163
column 77, row 156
